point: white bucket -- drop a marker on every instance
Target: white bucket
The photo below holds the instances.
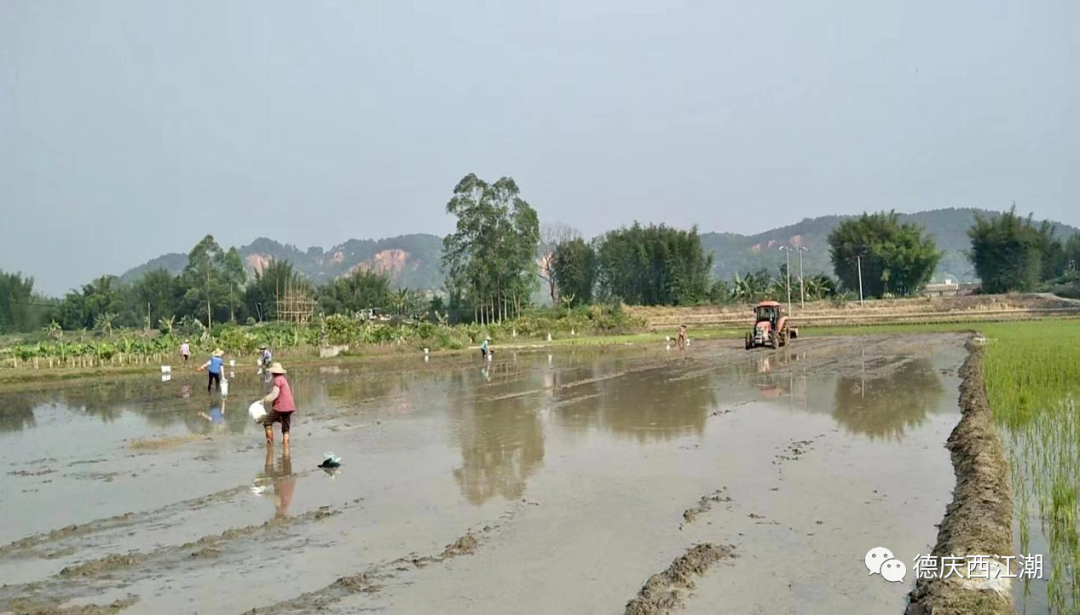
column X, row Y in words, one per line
column 166, row 369
column 257, row 411
column 224, row 387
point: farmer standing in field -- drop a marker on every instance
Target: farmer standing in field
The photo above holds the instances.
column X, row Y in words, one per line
column 681, row 341
column 282, row 406
column 185, row 350
column 213, row 369
column 484, row 348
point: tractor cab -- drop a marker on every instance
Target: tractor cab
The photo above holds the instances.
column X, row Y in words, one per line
column 767, row 311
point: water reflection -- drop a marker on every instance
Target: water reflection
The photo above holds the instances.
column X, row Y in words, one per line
column 357, row 388
column 886, row 406
column 652, row 405
column 501, row 435
column 880, row 398
column 276, row 481
column 17, row 413
column 216, row 420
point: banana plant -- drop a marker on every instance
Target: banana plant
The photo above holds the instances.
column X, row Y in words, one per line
column 53, row 330
column 103, row 323
column 166, row 325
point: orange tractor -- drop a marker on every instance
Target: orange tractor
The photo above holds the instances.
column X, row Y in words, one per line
column 771, row 327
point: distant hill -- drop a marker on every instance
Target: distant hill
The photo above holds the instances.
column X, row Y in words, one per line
column 745, row 253
column 414, row 261
column 173, row 262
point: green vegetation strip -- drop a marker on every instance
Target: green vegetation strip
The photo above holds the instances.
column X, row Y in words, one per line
column 1033, row 383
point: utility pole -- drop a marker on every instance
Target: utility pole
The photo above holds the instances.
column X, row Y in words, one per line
column 802, row 285
column 787, row 270
column 858, row 261
column 149, row 323
column 208, row 317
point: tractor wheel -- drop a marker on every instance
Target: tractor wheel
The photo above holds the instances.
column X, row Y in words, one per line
column 749, row 341
column 775, row 339
column 783, row 337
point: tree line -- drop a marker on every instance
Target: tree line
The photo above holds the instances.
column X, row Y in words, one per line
column 213, row 288
column 498, row 254
column 1012, row 253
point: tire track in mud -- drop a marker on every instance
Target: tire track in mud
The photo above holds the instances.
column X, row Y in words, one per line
column 374, row 579
column 118, row 570
column 689, row 371
column 56, row 541
column 28, row 547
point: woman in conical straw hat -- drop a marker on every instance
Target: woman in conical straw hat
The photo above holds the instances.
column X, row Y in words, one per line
column 282, row 406
column 213, row 368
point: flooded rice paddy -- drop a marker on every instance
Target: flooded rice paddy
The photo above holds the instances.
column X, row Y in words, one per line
column 748, row 482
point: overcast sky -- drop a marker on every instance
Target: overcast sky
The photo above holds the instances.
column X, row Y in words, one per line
column 133, row 128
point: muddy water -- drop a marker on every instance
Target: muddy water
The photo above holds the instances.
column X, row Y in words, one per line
column 538, row 483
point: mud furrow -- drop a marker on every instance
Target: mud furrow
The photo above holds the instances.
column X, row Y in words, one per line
column 373, row 579
column 704, row 505
column 77, row 580
column 56, row 540
column 663, row 592
column 25, row 547
column 54, row 608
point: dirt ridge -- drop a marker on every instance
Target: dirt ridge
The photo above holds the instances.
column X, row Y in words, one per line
column 979, row 519
column 26, row 546
column 663, row 592
column 370, row 580
column 74, row 580
column 88, row 609
column 704, row 505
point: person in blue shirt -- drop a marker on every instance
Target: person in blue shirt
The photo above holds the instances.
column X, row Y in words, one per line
column 213, row 369
column 484, row 348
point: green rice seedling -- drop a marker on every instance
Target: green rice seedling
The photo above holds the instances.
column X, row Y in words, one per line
column 1032, row 375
